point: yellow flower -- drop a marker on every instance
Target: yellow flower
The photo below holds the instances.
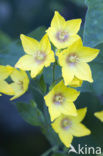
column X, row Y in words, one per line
column 99, row 115
column 73, row 61
column 68, row 126
column 38, row 55
column 20, row 83
column 5, row 88
column 76, row 82
column 60, row 100
column 63, row 33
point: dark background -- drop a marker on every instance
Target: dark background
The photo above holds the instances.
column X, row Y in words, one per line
column 17, row 138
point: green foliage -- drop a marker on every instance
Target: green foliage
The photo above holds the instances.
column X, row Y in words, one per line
column 78, row 2
column 93, row 104
column 42, row 84
column 93, row 37
column 30, row 113
column 5, row 40
column 93, row 30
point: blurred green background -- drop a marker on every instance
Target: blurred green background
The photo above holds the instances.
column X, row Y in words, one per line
column 24, row 16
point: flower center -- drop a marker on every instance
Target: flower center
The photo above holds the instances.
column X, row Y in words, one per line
column 66, row 123
column 72, row 59
column 40, row 56
column 62, row 36
column 58, row 98
column 20, row 83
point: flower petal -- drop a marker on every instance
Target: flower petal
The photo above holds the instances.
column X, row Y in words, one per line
column 57, row 20
column 87, row 54
column 18, row 75
column 5, row 71
column 54, row 111
column 81, row 113
column 66, row 138
column 30, row 45
column 36, row 70
column 83, row 71
column 99, row 115
column 69, row 109
column 79, row 130
column 50, row 59
column 73, row 26
column 5, row 88
column 45, row 45
column 26, row 62
column 68, row 74
column 76, row 82
column 17, row 91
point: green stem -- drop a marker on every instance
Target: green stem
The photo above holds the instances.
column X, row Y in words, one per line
column 54, row 72
column 50, row 150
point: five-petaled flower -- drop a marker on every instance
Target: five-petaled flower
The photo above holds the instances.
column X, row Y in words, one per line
column 38, row 55
column 19, row 81
column 68, row 126
column 5, row 88
column 63, row 33
column 73, row 61
column 99, row 115
column 60, row 101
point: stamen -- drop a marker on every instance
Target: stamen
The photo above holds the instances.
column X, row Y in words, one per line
column 20, row 83
column 72, row 59
column 66, row 123
column 62, row 36
column 40, row 56
column 58, row 99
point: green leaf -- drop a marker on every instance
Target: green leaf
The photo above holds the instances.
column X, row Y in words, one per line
column 5, row 40
column 59, row 154
column 93, row 29
column 36, row 93
column 48, row 74
column 93, row 105
column 79, row 2
column 42, row 84
column 14, row 51
column 30, row 113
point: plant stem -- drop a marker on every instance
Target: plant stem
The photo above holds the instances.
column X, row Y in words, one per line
column 54, row 72
column 50, row 150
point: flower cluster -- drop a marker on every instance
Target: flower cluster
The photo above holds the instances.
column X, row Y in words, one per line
column 73, row 58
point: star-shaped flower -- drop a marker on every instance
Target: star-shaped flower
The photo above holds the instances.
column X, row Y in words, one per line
column 5, row 88
column 73, row 61
column 38, row 55
column 60, row 100
column 20, row 83
column 67, row 126
column 63, row 33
